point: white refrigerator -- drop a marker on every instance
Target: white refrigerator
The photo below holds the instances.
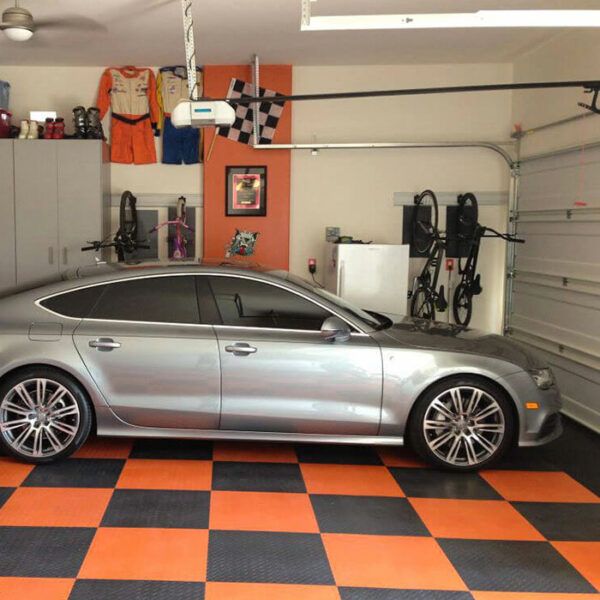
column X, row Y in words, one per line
column 371, row 276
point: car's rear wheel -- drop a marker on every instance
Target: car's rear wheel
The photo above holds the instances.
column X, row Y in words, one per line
column 462, row 424
column 44, row 415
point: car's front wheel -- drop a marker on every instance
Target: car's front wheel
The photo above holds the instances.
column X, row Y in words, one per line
column 462, row 424
column 44, row 415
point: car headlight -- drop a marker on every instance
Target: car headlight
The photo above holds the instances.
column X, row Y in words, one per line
column 543, row 378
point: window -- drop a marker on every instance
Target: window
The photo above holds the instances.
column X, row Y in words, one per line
column 170, row 299
column 249, row 303
column 78, row 303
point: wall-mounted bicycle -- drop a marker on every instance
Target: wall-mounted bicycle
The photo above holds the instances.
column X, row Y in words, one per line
column 179, row 241
column 125, row 240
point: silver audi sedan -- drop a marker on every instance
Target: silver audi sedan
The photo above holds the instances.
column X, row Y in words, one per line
column 207, row 350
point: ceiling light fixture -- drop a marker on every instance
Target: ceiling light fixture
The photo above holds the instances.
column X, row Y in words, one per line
column 482, row 18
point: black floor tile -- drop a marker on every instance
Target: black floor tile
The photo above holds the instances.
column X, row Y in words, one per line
column 567, row 522
column 369, row 515
column 513, row 566
column 431, row 483
column 340, row 454
column 158, row 508
column 99, row 589
column 76, row 472
column 257, row 477
column 43, row 551
column 526, row 459
column 349, row 593
column 261, row 557
column 172, row 449
column 5, row 494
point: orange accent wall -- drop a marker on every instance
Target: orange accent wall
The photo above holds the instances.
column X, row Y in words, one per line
column 272, row 247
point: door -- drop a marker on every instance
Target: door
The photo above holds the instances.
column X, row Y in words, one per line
column 7, row 216
column 555, row 302
column 36, row 209
column 80, row 200
column 278, row 373
column 153, row 361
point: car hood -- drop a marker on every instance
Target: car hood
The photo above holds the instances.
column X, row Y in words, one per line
column 433, row 335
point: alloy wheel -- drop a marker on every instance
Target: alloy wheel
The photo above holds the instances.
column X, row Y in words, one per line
column 39, row 417
column 464, row 426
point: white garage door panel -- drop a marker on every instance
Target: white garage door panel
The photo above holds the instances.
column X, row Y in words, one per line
column 557, row 182
column 556, row 292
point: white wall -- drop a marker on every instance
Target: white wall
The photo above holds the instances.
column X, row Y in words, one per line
column 353, row 189
column 568, row 56
column 63, row 88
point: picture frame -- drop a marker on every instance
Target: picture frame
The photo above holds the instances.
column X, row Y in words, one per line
column 245, row 191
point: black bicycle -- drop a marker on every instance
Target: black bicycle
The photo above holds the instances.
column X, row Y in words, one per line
column 125, row 240
column 470, row 232
column 425, row 297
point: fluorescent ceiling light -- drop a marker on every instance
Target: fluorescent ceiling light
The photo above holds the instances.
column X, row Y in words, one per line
column 482, row 18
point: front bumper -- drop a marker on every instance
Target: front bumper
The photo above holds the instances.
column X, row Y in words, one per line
column 540, row 425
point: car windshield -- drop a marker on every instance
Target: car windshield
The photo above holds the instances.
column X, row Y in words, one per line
column 369, row 319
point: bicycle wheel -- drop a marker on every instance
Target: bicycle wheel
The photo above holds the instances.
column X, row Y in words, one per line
column 462, row 305
column 421, row 305
column 468, row 211
column 425, row 221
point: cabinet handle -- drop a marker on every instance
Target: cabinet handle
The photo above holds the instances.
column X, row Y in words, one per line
column 65, row 255
column 51, row 255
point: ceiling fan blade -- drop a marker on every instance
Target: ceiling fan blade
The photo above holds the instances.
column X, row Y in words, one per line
column 71, row 22
column 136, row 8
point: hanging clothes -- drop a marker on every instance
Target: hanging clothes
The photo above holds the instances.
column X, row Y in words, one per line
column 184, row 144
column 4, row 93
column 130, row 93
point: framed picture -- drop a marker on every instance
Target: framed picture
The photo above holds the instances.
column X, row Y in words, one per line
column 246, row 191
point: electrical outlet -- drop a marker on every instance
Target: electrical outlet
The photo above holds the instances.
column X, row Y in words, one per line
column 332, row 234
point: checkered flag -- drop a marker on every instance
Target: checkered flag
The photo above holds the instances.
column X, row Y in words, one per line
column 268, row 114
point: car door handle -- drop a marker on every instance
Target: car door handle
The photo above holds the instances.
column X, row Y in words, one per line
column 240, row 349
column 104, row 344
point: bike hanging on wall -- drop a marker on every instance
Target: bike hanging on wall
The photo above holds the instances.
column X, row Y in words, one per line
column 125, row 239
column 425, row 297
column 471, row 233
column 179, row 241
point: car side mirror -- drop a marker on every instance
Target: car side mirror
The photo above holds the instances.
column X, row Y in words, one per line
column 335, row 330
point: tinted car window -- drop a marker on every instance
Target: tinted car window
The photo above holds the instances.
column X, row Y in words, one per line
column 156, row 299
column 248, row 303
column 78, row 303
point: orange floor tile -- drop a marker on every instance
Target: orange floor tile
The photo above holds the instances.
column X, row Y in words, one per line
column 152, row 554
column 398, row 456
column 12, row 473
column 268, row 591
column 55, row 507
column 538, row 486
column 105, row 447
column 356, row 480
column 390, row 562
column 262, row 511
column 254, row 452
column 585, row 557
column 474, row 519
column 151, row 474
column 19, row 588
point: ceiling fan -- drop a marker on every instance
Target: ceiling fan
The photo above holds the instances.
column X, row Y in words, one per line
column 18, row 24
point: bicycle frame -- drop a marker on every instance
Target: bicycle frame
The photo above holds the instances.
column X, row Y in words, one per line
column 179, row 241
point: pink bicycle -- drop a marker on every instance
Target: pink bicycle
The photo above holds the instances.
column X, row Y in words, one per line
column 179, row 241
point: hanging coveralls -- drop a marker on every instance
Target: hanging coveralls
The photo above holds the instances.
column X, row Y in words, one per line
column 130, row 92
column 178, row 144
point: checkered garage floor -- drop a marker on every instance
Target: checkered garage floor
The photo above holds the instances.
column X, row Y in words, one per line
column 190, row 520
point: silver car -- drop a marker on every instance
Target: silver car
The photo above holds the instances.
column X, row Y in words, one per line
column 245, row 353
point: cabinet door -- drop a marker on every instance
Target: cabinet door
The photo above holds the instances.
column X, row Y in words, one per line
column 36, row 209
column 7, row 216
column 79, row 200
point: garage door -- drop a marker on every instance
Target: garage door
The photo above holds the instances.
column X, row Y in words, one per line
column 556, row 290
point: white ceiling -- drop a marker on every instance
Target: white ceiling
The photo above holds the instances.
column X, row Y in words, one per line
column 231, row 31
